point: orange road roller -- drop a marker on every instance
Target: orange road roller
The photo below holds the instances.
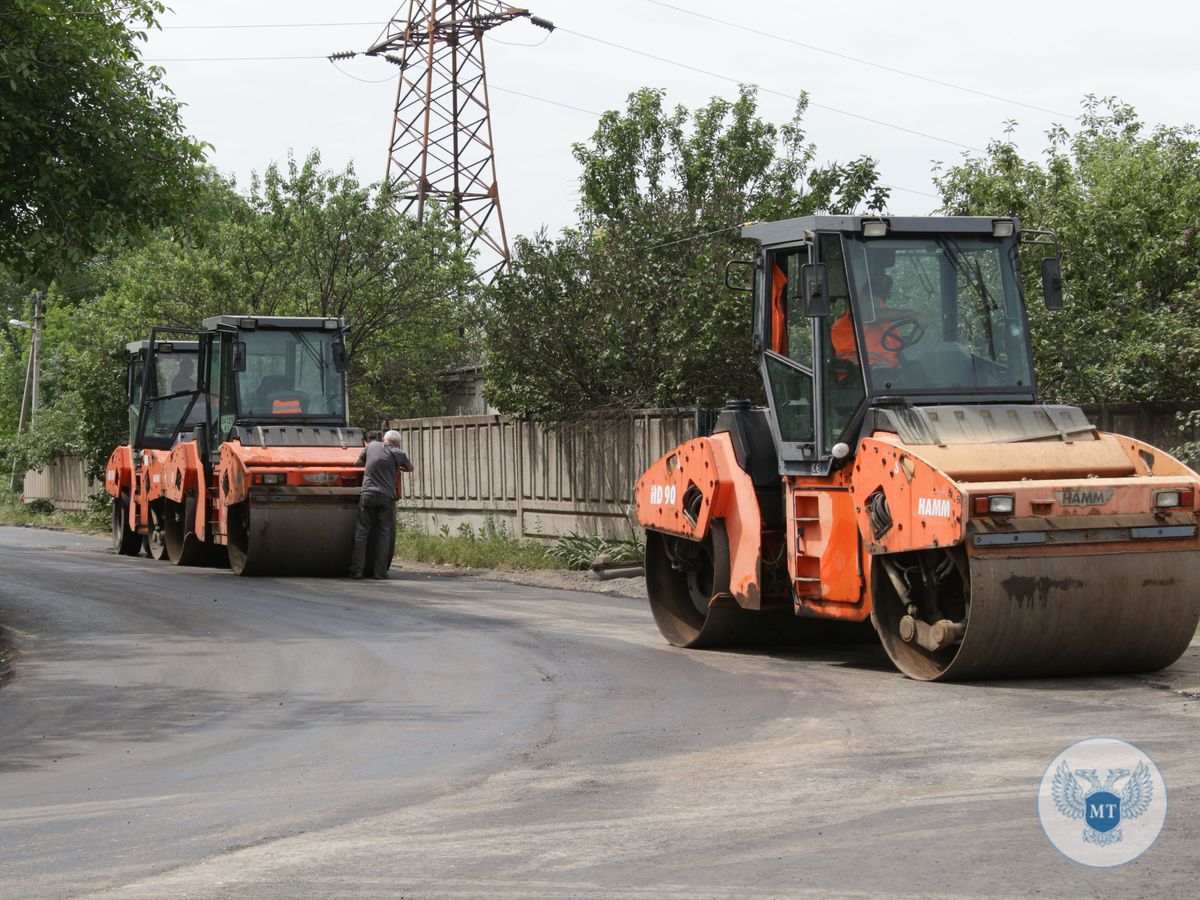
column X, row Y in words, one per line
column 904, row 473
column 267, row 476
column 134, row 474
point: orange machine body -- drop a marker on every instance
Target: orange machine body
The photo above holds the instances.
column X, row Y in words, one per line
column 696, row 483
column 136, row 477
column 1097, row 492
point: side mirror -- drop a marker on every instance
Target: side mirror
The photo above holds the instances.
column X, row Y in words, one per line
column 814, row 287
column 339, row 356
column 1052, row 282
column 239, row 357
column 734, row 264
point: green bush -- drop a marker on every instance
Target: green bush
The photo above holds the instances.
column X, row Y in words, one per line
column 579, row 551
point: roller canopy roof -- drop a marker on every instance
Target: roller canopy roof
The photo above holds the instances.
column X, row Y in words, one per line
column 139, row 346
column 314, row 322
column 788, row 230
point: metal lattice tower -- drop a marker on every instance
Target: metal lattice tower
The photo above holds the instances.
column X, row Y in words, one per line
column 441, row 148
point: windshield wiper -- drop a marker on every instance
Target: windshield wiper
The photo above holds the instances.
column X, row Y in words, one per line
column 309, row 347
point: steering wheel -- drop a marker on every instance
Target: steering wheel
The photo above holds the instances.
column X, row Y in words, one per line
column 903, row 332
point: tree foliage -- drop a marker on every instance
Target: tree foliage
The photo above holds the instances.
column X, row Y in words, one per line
column 300, row 242
column 1123, row 201
column 628, row 308
column 92, row 148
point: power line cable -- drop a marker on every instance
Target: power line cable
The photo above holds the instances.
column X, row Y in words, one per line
column 592, row 112
column 861, row 61
column 333, row 63
column 274, row 25
column 794, row 97
column 228, row 58
column 492, row 37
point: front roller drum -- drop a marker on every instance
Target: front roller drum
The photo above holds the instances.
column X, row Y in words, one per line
column 292, row 538
column 688, row 586
column 1034, row 616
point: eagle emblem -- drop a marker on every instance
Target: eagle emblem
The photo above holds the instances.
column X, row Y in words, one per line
column 1099, row 805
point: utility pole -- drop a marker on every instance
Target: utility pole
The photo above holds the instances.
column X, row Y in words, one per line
column 35, row 354
column 441, row 147
column 32, row 371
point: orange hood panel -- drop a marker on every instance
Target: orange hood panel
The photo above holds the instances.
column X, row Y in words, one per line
column 1036, row 460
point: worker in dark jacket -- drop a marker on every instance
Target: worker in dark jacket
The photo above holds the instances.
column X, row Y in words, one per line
column 376, row 527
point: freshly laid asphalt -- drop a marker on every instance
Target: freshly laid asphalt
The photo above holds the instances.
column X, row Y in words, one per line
column 172, row 732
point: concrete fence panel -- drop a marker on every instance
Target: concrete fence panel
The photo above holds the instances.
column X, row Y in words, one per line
column 63, row 482
column 531, row 478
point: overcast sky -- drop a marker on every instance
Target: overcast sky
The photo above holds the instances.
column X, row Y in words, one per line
column 1043, row 54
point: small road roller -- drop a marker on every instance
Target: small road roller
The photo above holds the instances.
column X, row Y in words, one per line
column 904, row 473
column 266, row 477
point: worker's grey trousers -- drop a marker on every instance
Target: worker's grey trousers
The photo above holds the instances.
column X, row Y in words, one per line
column 374, row 535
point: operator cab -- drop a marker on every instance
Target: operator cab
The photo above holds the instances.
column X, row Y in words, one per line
column 160, row 388
column 276, row 370
column 854, row 314
column 280, row 379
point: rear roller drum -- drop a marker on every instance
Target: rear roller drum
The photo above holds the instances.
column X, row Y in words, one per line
column 681, row 581
column 183, row 546
column 156, row 542
column 688, row 586
column 125, row 540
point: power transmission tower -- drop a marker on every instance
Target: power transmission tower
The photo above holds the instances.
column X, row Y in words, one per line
column 441, row 148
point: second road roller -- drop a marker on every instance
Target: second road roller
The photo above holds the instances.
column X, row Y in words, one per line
column 903, row 473
column 267, row 472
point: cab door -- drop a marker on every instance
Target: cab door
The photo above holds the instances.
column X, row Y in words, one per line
column 785, row 335
column 168, row 406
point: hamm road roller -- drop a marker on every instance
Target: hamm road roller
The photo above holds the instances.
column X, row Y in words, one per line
column 133, row 476
column 904, row 473
column 269, row 474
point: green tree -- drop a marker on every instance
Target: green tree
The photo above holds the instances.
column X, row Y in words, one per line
column 1123, row 202
column 628, row 308
column 92, row 148
column 301, row 241
column 309, row 242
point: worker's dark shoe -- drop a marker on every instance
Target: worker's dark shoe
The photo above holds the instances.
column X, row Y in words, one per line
column 355, row 577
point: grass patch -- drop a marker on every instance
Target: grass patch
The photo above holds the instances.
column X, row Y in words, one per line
column 496, row 552
column 97, row 518
column 579, row 551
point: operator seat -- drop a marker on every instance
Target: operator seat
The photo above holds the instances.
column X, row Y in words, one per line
column 276, row 397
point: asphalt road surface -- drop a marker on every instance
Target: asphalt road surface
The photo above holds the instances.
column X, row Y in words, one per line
column 171, row 732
